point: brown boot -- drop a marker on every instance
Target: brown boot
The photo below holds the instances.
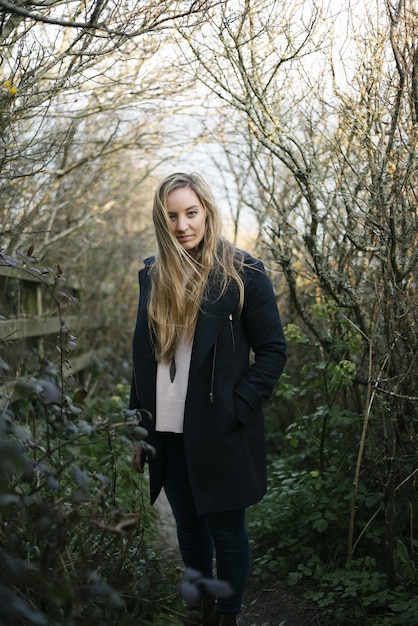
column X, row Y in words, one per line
column 204, row 614
column 226, row 619
column 208, row 611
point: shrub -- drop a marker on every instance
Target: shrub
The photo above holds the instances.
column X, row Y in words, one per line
column 76, row 532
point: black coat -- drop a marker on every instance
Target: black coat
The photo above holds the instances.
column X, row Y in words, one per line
column 223, row 422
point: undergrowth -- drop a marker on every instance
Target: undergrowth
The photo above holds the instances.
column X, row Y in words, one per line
column 76, row 530
column 299, row 534
column 353, row 553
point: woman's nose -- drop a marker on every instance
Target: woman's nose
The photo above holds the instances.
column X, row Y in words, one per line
column 181, row 223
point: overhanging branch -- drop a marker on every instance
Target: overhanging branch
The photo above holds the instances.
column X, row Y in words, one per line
column 194, row 9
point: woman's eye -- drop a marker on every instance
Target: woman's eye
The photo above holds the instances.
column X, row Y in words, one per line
column 192, row 213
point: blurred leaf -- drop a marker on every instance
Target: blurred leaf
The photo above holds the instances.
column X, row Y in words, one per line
column 13, row 607
column 138, row 432
column 75, row 410
column 219, row 588
column 79, row 396
column 81, row 477
column 14, row 570
column 95, row 590
column 23, row 433
column 102, row 479
column 85, row 427
column 320, row 525
column 128, row 413
column 192, row 574
column 66, row 296
column 50, row 392
column 144, row 583
column 3, row 365
column 52, row 483
column 28, row 387
column 190, row 593
column 7, row 499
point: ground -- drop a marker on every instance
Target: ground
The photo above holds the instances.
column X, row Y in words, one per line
column 275, row 605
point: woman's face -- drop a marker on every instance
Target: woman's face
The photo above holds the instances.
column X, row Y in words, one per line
column 187, row 217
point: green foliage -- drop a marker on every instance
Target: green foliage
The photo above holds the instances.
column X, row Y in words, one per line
column 358, row 594
column 299, row 533
column 303, row 519
column 300, row 530
column 76, row 532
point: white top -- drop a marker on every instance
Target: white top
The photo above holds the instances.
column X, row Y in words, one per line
column 171, row 396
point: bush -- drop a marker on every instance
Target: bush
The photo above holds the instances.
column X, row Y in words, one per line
column 349, row 548
column 76, row 532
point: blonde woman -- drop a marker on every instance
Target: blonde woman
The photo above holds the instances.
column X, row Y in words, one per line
column 203, row 306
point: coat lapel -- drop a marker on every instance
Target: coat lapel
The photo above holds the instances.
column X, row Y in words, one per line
column 213, row 315
column 216, row 308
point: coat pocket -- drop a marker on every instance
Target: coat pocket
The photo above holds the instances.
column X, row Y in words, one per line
column 243, row 411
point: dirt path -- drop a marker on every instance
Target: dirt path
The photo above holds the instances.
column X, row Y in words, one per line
column 275, row 605
column 168, row 532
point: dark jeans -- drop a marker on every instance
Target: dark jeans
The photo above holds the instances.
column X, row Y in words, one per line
column 199, row 535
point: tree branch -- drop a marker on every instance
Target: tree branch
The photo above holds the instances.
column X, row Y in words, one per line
column 158, row 22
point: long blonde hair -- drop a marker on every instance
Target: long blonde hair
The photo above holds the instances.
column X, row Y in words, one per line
column 175, row 301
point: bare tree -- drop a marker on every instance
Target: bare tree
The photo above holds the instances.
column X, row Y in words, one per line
column 330, row 128
column 88, row 93
column 83, row 82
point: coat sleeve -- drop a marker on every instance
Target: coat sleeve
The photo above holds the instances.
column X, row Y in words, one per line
column 141, row 327
column 134, row 401
column 262, row 325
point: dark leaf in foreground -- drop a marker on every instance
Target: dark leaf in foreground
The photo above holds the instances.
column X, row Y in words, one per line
column 79, row 396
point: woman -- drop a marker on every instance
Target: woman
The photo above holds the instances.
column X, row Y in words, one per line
column 203, row 305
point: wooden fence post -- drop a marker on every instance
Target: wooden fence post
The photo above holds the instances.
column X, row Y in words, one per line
column 28, row 320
